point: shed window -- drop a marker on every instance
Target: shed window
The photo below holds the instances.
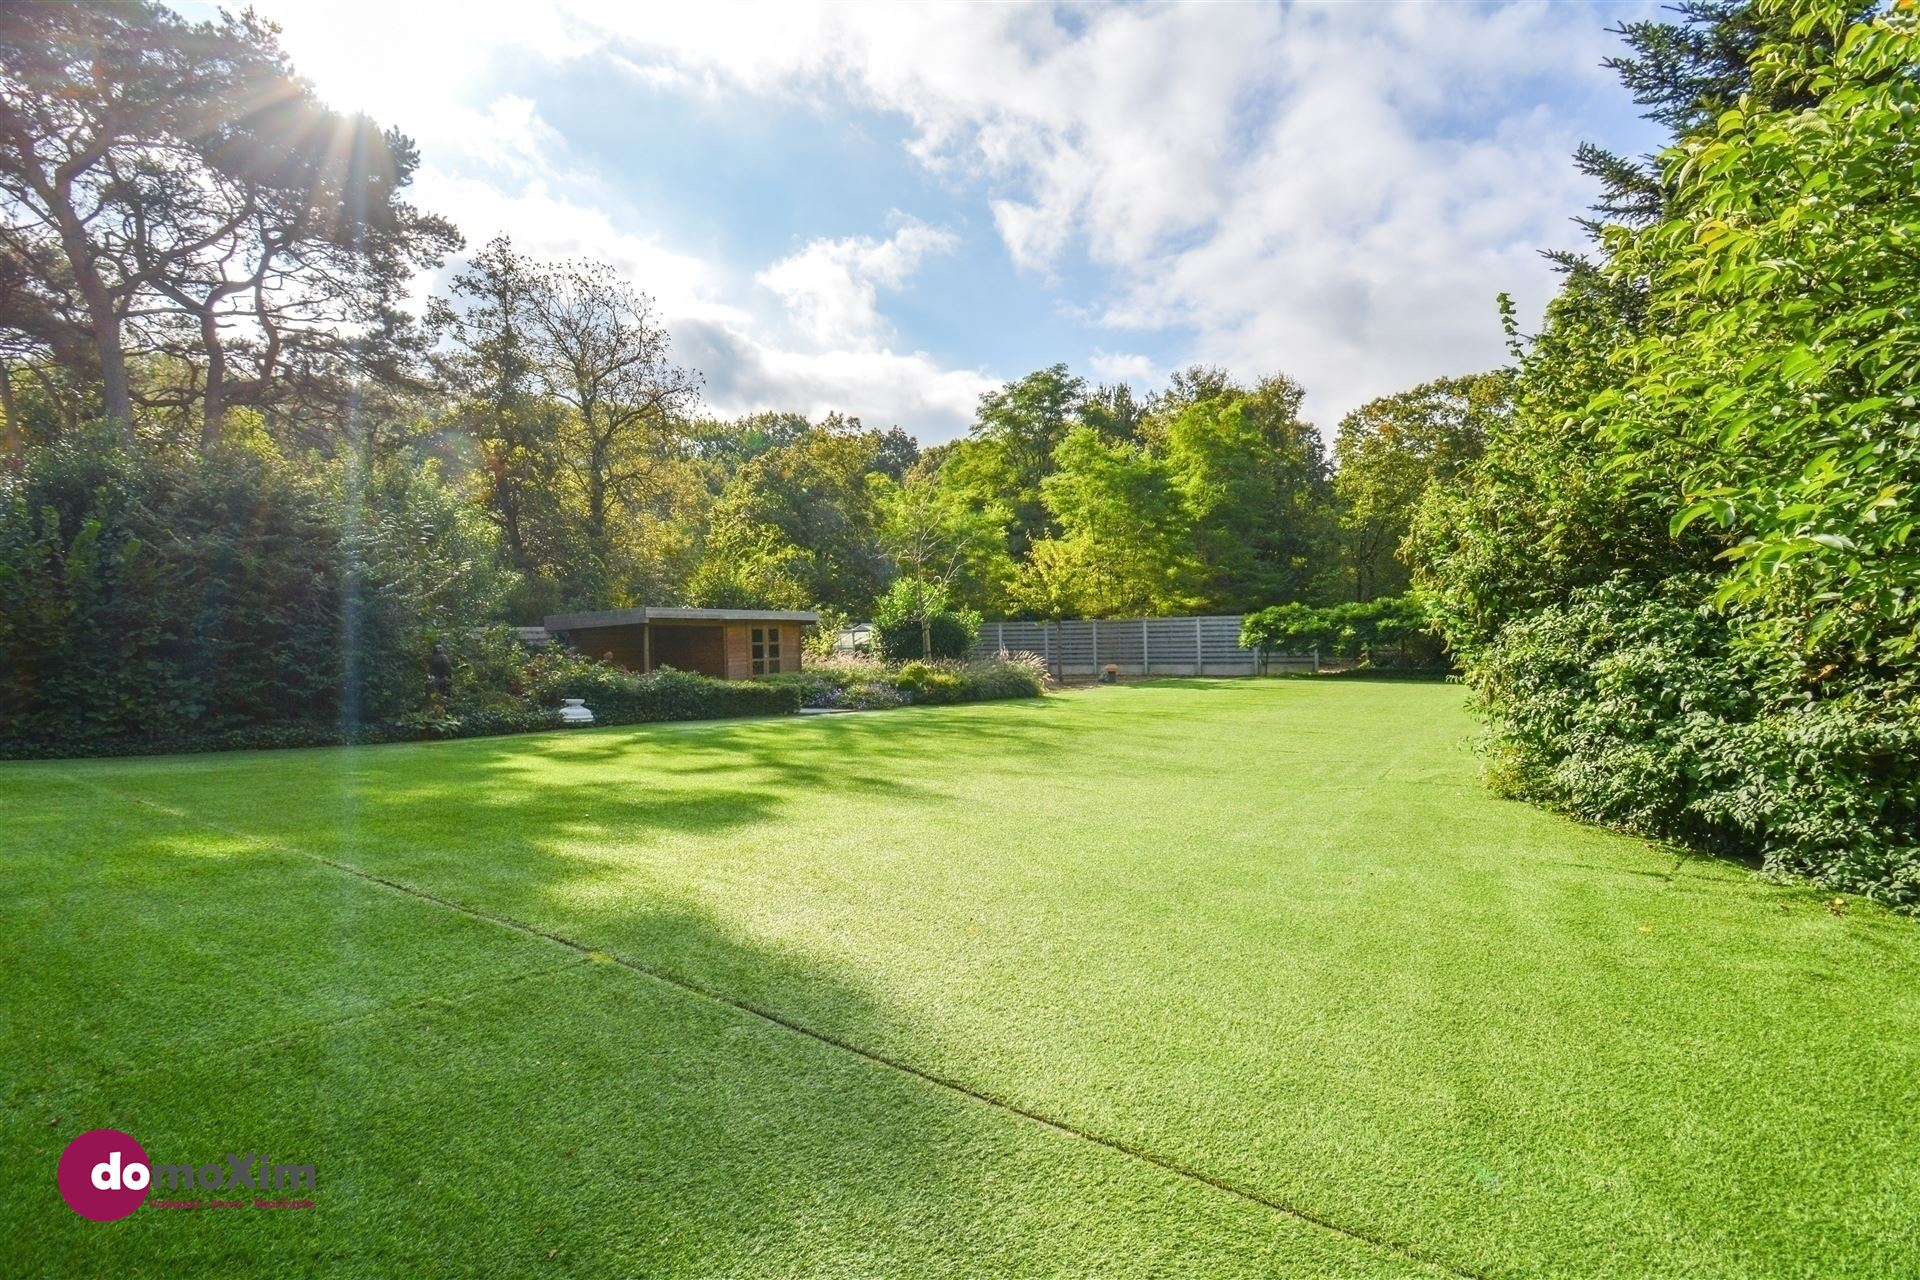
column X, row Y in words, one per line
column 766, row 651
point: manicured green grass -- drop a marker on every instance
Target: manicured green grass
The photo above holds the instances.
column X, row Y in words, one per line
column 1190, row 978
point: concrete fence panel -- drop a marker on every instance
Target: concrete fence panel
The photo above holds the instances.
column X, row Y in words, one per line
column 1208, row 645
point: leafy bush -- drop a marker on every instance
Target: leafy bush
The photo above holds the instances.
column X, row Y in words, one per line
column 821, row 641
column 220, row 591
column 897, row 626
column 490, row 668
column 1681, row 574
column 1010, row 675
column 1350, row 632
column 616, row 696
column 979, row 680
column 925, row 683
column 900, row 641
column 847, row 682
column 275, row 737
column 1653, row 715
column 866, row 684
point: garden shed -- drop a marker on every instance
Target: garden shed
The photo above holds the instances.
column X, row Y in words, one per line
column 734, row 644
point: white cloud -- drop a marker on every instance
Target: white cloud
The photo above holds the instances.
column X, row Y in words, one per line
column 826, row 349
column 547, row 223
column 881, row 387
column 510, row 135
column 1121, row 366
column 831, row 287
column 1294, row 186
column 495, row 164
column 1307, row 188
column 422, row 66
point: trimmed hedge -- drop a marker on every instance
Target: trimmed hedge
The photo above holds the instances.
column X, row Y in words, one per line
column 867, row 685
column 613, row 695
column 616, row 696
column 421, row 728
column 1653, row 715
column 1348, row 632
column 150, row 594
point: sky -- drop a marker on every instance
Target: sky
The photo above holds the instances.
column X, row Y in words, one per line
column 888, row 210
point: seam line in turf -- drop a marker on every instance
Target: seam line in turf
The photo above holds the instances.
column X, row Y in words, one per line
column 1405, row 1252
column 456, row 995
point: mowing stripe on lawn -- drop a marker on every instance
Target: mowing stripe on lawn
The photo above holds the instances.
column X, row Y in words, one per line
column 456, row 995
column 1406, row 1252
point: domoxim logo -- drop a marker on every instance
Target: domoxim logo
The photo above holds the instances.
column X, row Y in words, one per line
column 105, row 1175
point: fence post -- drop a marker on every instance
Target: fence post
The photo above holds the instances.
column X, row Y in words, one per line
column 1199, row 650
column 1093, row 631
column 1316, row 659
column 1146, row 653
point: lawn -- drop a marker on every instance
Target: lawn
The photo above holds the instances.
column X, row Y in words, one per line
column 1185, row 978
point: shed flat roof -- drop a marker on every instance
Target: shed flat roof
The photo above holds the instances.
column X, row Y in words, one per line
column 731, row 615
column 634, row 617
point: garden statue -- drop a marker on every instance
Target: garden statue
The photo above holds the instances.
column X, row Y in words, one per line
column 440, row 672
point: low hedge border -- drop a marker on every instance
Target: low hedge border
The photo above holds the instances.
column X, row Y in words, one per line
column 615, row 697
column 278, row 737
column 864, row 684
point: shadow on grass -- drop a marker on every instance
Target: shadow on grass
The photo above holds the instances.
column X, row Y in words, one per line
column 783, row 752
column 551, row 1110
column 1371, row 676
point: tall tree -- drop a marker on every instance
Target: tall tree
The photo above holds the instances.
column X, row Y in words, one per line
column 1011, row 446
column 600, row 349
column 1389, row 450
column 935, row 541
column 174, row 187
column 1114, row 411
column 804, row 512
column 487, row 361
column 1253, row 478
column 1686, row 70
column 1125, row 544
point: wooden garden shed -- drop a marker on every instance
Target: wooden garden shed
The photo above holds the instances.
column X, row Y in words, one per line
column 734, row 644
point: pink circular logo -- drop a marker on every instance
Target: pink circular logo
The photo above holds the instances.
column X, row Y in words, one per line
column 104, row 1175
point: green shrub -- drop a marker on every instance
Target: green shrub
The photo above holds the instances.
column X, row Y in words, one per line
column 866, row 684
column 980, row 680
column 1653, row 715
column 1389, row 630
column 1016, row 675
column 900, row 640
column 616, row 696
column 276, row 737
column 821, row 641
column 146, row 594
column 930, row 684
column 489, row 668
column 849, row 682
column 897, row 630
column 1682, row 573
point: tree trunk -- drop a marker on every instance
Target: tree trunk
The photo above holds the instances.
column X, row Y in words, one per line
column 115, row 391
column 11, row 409
column 214, row 406
column 597, row 508
column 507, row 500
column 599, row 445
column 104, row 320
column 926, row 636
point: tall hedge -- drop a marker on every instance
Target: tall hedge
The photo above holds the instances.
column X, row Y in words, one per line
column 1352, row 631
column 156, row 596
column 1685, row 575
